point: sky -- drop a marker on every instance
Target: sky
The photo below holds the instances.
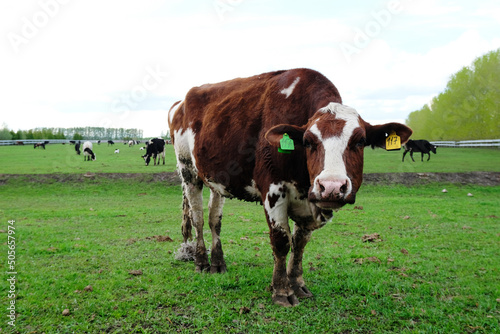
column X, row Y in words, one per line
column 122, row 64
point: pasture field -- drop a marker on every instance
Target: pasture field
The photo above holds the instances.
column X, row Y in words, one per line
column 101, row 249
column 57, row 158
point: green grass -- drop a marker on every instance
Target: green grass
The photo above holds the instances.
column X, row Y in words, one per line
column 70, row 236
column 63, row 159
column 447, row 160
column 58, row 158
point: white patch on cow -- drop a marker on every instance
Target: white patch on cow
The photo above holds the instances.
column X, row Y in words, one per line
column 279, row 212
column 184, row 147
column 334, row 165
column 218, row 188
column 288, row 91
column 172, row 112
column 253, row 190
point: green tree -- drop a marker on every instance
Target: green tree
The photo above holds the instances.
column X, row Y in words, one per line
column 469, row 106
column 5, row 133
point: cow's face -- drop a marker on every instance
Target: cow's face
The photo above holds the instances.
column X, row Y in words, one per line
column 333, row 141
column 147, row 159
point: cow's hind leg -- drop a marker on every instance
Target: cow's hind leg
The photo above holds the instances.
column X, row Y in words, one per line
column 193, row 192
column 215, row 206
column 301, row 237
column 187, row 220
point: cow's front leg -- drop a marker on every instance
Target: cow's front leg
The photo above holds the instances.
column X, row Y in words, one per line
column 411, row 156
column 215, row 206
column 282, row 291
column 301, row 237
column 193, row 192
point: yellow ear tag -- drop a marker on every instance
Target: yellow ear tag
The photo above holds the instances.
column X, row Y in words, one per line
column 393, row 142
column 286, row 144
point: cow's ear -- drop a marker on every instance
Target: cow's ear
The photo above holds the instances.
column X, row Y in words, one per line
column 275, row 134
column 377, row 134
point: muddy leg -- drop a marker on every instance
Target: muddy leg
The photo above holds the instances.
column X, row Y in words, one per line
column 299, row 240
column 193, row 192
column 215, row 206
column 186, row 220
column 282, row 291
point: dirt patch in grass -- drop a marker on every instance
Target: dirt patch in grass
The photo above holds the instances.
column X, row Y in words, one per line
column 476, row 178
column 409, row 179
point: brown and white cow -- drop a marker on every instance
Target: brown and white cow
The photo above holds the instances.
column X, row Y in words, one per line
column 227, row 135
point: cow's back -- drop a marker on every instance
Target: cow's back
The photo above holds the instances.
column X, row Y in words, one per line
column 222, row 125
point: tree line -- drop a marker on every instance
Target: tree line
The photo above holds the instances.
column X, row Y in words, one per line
column 80, row 133
column 468, row 108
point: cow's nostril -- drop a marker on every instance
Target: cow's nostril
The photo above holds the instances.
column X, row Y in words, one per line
column 343, row 188
column 321, row 188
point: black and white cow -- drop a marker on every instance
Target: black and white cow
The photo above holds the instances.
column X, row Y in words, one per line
column 110, row 142
column 42, row 145
column 154, row 147
column 77, row 148
column 422, row 146
column 87, row 151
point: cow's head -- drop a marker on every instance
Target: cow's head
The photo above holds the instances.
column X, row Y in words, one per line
column 333, row 140
column 147, row 158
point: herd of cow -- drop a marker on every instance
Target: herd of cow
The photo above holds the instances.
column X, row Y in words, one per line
column 283, row 139
column 155, row 148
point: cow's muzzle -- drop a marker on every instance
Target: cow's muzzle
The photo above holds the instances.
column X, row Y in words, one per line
column 332, row 193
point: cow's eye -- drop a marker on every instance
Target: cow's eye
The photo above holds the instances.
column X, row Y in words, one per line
column 361, row 143
column 309, row 145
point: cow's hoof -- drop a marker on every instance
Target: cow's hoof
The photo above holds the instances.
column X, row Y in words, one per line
column 202, row 268
column 302, row 292
column 220, row 269
column 286, row 301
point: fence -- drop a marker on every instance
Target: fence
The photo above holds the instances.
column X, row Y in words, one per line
column 468, row 143
column 34, row 141
column 463, row 143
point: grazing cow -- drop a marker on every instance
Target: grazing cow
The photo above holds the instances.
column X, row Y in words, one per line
column 19, row 143
column 117, row 150
column 234, row 137
column 154, row 147
column 422, row 146
column 42, row 145
column 77, row 148
column 87, row 152
column 110, row 142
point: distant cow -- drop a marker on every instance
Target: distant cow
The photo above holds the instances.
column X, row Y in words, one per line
column 77, row 148
column 87, row 151
column 110, row 142
column 283, row 139
column 422, row 146
column 42, row 145
column 154, row 147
